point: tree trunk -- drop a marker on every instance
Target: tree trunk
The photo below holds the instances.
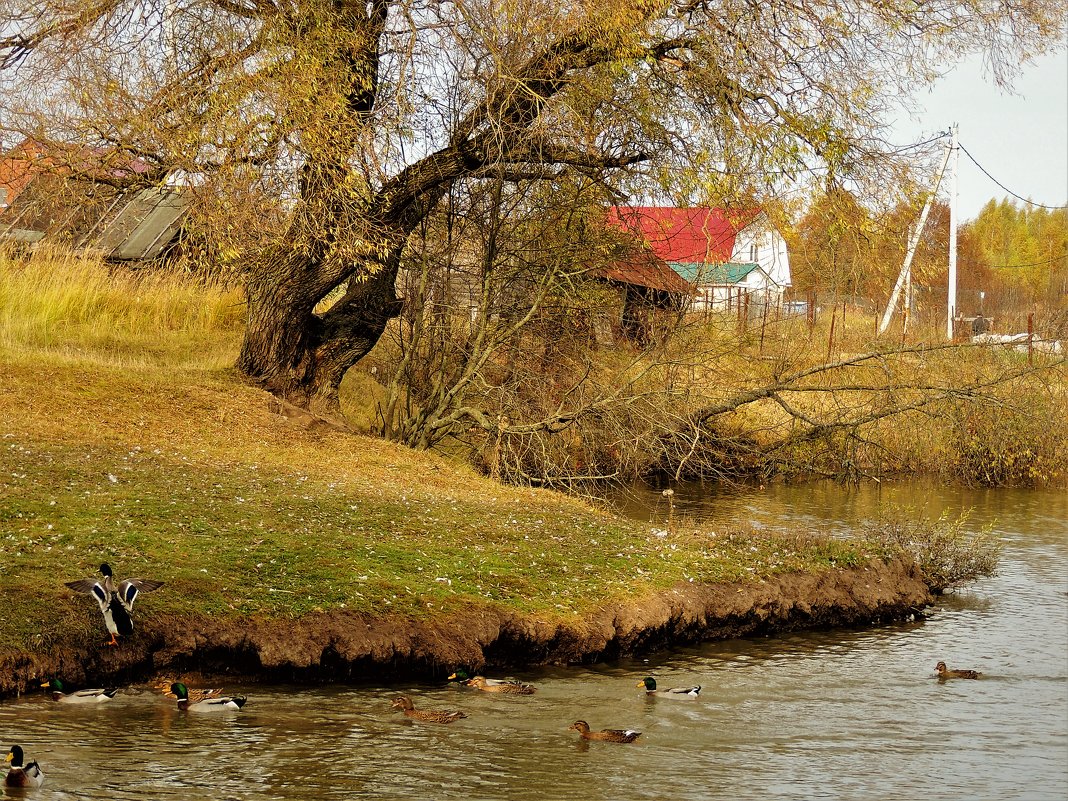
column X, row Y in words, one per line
column 301, row 356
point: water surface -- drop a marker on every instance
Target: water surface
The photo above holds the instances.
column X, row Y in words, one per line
column 841, row 714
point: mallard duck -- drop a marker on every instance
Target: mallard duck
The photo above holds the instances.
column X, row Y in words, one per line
column 194, row 694
column 649, row 683
column 404, row 703
column 945, row 673
column 211, row 704
column 61, row 695
column 116, row 601
column 499, row 686
column 488, row 685
column 19, row 775
column 604, row 735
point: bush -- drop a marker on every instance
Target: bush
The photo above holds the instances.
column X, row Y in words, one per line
column 946, row 552
column 1010, row 445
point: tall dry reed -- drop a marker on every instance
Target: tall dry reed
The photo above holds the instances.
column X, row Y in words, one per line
column 61, row 303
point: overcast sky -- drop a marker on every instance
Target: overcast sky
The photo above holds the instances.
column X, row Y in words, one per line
column 1020, row 138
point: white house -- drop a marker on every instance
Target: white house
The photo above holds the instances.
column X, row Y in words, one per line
column 726, row 256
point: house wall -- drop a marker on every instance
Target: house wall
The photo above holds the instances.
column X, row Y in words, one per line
column 760, row 242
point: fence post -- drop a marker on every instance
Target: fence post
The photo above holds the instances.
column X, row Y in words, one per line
column 830, row 336
column 1030, row 337
column 763, row 324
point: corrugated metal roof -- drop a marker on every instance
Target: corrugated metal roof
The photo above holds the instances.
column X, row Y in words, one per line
column 145, row 225
column 646, row 269
column 687, row 235
column 722, row 274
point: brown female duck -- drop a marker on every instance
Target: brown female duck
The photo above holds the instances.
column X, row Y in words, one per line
column 604, row 735
column 945, row 673
column 194, row 694
column 493, row 685
column 404, row 703
column 497, row 686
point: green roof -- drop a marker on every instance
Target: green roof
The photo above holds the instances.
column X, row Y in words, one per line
column 697, row 272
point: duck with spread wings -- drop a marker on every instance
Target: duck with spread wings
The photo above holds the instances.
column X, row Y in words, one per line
column 116, row 600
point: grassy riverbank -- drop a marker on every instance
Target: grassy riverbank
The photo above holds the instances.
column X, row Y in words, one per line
column 125, row 437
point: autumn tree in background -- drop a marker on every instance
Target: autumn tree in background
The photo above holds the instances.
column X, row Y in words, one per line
column 846, row 250
column 832, row 250
column 361, row 116
column 1020, row 255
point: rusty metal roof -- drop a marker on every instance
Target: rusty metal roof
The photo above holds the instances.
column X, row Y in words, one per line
column 645, row 268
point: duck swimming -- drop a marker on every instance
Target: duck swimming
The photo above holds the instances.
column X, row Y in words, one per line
column 649, row 683
column 945, row 673
column 19, row 775
column 115, row 601
column 210, row 704
column 195, row 694
column 604, row 735
column 498, row 686
column 404, row 704
column 61, row 695
column 507, row 686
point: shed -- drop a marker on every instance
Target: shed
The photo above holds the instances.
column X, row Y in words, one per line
column 75, row 195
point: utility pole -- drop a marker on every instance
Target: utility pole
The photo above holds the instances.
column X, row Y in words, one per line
column 914, row 241
column 951, row 293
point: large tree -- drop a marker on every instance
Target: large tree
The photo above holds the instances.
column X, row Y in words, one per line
column 356, row 117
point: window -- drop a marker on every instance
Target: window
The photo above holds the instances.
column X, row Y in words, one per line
column 753, row 252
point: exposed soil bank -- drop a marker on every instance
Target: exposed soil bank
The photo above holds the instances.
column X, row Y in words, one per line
column 344, row 646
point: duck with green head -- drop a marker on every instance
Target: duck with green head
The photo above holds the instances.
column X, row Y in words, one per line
column 19, row 774
column 222, row 703
column 651, row 691
column 195, row 694
column 116, row 601
column 61, row 694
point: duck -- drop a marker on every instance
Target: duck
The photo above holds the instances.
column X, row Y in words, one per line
column 115, row 600
column 604, row 735
column 404, row 703
column 945, row 673
column 19, row 775
column 505, row 687
column 61, row 695
column 649, row 683
column 491, row 685
column 211, row 704
column 194, row 694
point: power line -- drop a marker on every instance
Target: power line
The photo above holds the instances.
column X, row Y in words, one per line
column 995, row 180
column 915, row 145
column 1032, row 264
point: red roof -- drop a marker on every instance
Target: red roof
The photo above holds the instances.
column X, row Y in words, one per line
column 31, row 157
column 699, row 234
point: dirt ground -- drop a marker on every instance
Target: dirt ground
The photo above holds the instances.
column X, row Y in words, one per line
column 351, row 647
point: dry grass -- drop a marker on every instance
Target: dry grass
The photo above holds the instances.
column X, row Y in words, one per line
column 948, row 554
column 169, row 467
column 61, row 306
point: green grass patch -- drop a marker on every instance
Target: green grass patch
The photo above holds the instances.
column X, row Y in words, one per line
column 169, row 467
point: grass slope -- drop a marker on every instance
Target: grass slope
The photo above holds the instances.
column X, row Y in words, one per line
column 169, row 467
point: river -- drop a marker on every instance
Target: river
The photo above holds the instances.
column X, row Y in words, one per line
column 837, row 715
